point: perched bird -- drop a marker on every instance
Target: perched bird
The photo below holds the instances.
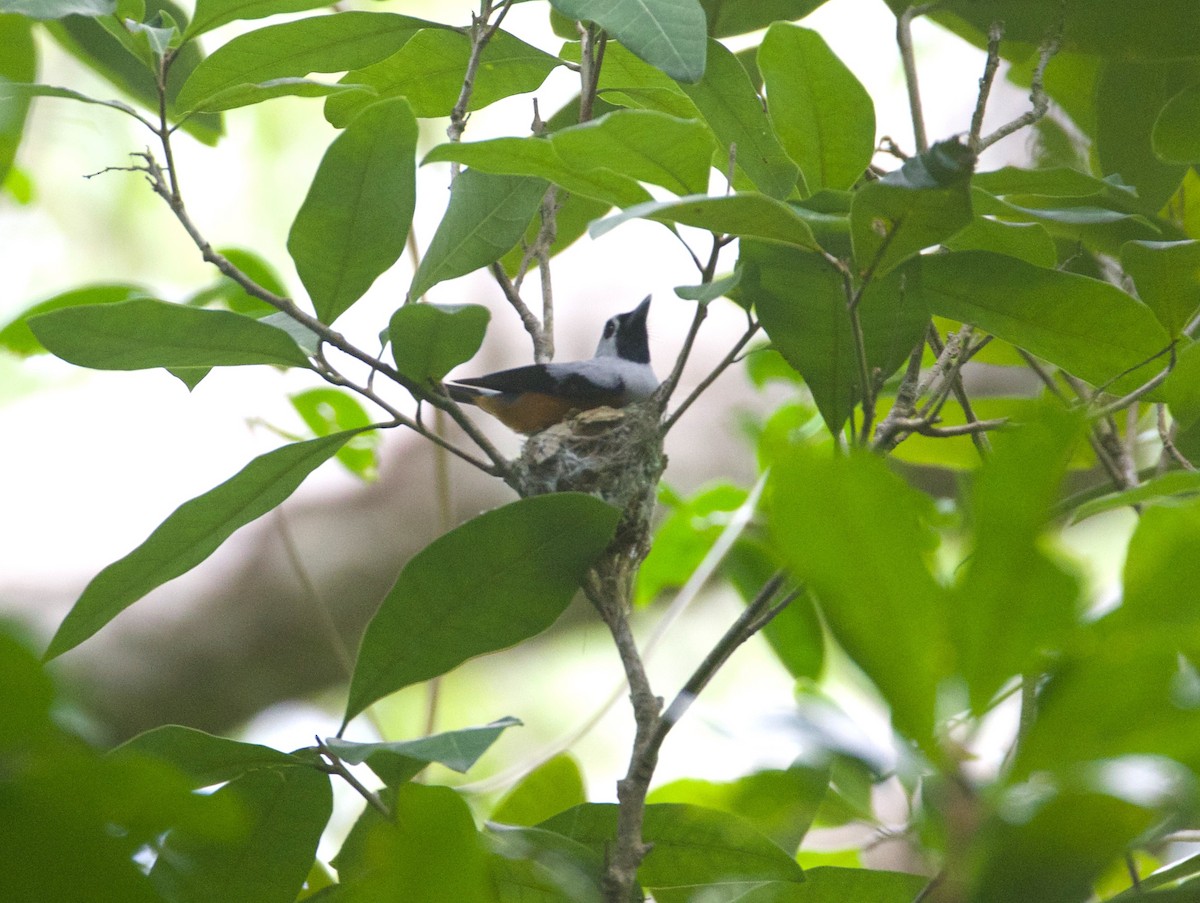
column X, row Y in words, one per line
column 529, row 399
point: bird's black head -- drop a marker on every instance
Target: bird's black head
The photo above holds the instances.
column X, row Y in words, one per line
column 625, row 336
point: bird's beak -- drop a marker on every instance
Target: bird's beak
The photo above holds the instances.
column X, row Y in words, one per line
column 639, row 313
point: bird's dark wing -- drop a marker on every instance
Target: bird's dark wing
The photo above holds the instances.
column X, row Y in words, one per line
column 559, row 380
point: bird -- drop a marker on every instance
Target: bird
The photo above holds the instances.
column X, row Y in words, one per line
column 532, row 398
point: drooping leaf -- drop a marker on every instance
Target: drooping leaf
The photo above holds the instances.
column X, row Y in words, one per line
column 18, row 65
column 486, row 216
column 1176, row 135
column 286, row 812
column 397, row 761
column 141, row 333
column 667, row 34
column 1167, row 276
column 925, row 201
column 494, row 581
column 428, row 72
column 822, row 114
column 1089, row 328
column 348, row 40
column 554, row 786
column 733, row 17
column 17, row 337
column 729, row 104
column 429, row 340
column 190, row 534
column 204, row 758
column 745, row 214
column 355, row 218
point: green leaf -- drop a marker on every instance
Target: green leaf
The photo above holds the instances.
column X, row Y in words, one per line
column 348, row 40
column 327, row 411
column 397, row 761
column 22, row 92
column 1176, row 135
column 1182, row 388
column 854, row 531
column 667, row 34
column 1167, row 276
column 822, row 114
column 1029, row 242
column 286, row 812
column 429, row 340
column 570, row 223
column 142, row 333
column 627, row 81
column 57, row 9
column 707, row 292
column 832, row 884
column 204, row 758
column 538, row 157
column 494, row 581
column 245, row 95
column 531, row 864
column 811, row 326
column 428, row 71
column 729, row 104
column 355, row 218
column 1089, row 328
column 690, row 846
column 1167, row 488
column 1105, row 227
column 919, row 205
column 554, row 786
column 18, row 64
column 212, row 14
column 486, row 216
column 229, row 294
column 643, row 144
column 745, row 214
column 17, row 337
column 1129, row 96
column 190, row 534
column 733, row 17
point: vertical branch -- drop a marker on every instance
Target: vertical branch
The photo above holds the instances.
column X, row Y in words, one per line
column 995, row 34
column 909, row 60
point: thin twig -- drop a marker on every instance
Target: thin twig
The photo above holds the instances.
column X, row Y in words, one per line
column 334, row 765
column 995, row 34
column 909, row 60
column 481, row 34
column 703, row 385
column 926, row 428
column 319, row 604
column 663, row 394
column 1168, row 441
column 1037, row 93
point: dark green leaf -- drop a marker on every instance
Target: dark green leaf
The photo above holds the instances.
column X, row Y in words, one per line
column 494, row 581
column 286, row 812
column 1089, row 328
column 667, row 34
column 428, row 71
column 802, row 304
column 822, row 114
column 531, row 865
column 348, row 40
column 212, row 14
column 354, row 221
column 747, row 214
column 20, row 93
column 1105, row 228
column 57, row 9
column 17, row 337
column 429, row 340
column 487, row 215
column 554, row 786
column 18, row 64
column 1182, row 388
column 142, row 332
column 204, row 758
column 1058, row 182
column 192, row 533
column 538, row 157
column 733, row 110
column 457, row 750
column 326, row 411
column 857, row 534
column 1167, row 488
column 690, row 846
column 1167, row 276
column 924, row 202
column 1026, row 241
column 733, row 17
column 1176, row 135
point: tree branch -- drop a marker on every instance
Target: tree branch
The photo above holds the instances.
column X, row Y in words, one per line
column 720, row 368
column 1037, row 93
column 909, row 61
column 995, row 33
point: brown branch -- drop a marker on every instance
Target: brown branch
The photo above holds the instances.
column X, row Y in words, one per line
column 334, row 765
column 481, row 33
column 995, row 33
column 909, row 61
column 1037, row 93
column 720, row 368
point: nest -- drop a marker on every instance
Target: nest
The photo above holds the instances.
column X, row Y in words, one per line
column 615, row 455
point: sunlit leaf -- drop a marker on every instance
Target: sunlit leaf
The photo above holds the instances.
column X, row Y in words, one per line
column 554, row 786
column 667, row 34
column 734, row 17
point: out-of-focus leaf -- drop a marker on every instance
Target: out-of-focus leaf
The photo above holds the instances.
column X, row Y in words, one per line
column 141, row 333
column 733, row 17
column 1165, row 489
column 707, row 292
column 18, row 64
column 924, row 202
column 494, row 581
column 554, row 786
column 487, row 215
column 822, row 114
column 327, row 411
column 428, row 72
column 355, row 218
column 667, row 34
column 836, row 884
column 1176, row 135
column 534, row 864
column 733, row 110
column 204, row 758
column 18, row 338
column 1182, row 388
column 57, row 9
column 1167, row 276
column 192, row 533
column 747, row 214
column 231, row 295
column 429, row 340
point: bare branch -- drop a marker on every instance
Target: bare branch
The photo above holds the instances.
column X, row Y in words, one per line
column 720, row 368
column 481, row 33
column 1037, row 93
column 909, row 60
column 334, row 765
column 995, row 33
column 1168, row 440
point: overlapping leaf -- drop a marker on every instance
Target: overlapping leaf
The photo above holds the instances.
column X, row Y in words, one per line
column 668, row 34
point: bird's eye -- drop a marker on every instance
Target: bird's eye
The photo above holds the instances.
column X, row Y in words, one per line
column 609, row 328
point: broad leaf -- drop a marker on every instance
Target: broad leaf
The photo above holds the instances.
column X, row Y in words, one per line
column 428, row 340
column 354, row 221
column 529, row 864
column 554, row 786
column 1182, row 388
column 57, row 9
column 822, row 114
column 348, row 40
column 627, row 81
column 1089, row 328
column 1167, row 276
column 571, row 222
column 245, row 95
column 18, row 65
column 667, row 34
column 733, row 110
column 286, row 812
column 192, row 533
column 212, row 14
column 924, row 202
column 486, row 216
column 733, row 17
column 142, row 333
column 204, row 758
column 326, row 411
column 745, row 214
column 1026, row 241
column 428, row 72
column 17, row 337
column 1176, row 135
column 1167, row 488
column 397, row 761
column 494, row 581
column 831, row 884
